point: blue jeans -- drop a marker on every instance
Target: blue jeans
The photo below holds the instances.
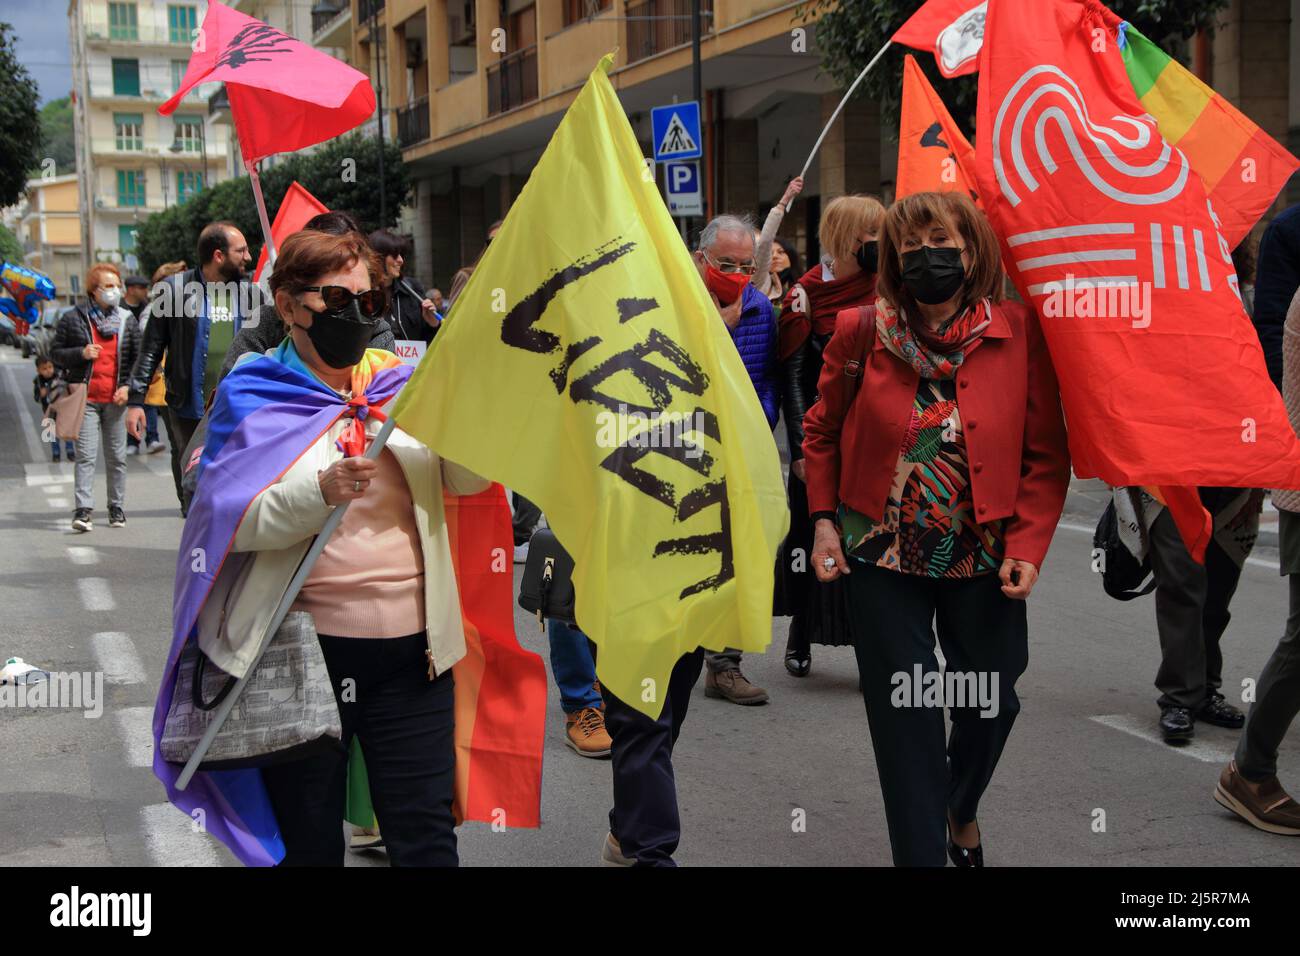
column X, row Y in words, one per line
column 150, row 427
column 69, row 448
column 575, row 671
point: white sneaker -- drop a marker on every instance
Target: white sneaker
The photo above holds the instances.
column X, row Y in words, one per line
column 155, row 447
column 521, row 553
column 133, row 449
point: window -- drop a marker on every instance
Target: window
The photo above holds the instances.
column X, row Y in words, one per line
column 121, row 22
column 181, row 23
column 187, row 184
column 130, row 187
column 189, row 133
column 126, row 237
column 575, row 10
column 126, row 77
column 128, row 131
column 178, row 73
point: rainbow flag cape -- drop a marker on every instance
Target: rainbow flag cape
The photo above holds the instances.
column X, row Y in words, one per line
column 1242, row 167
column 266, row 415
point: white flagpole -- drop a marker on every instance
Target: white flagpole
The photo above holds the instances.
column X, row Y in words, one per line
column 840, row 108
column 261, row 213
column 281, row 610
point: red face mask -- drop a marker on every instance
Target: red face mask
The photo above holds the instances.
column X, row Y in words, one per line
column 727, row 286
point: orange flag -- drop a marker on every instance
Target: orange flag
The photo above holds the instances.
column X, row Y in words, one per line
column 297, row 207
column 933, row 155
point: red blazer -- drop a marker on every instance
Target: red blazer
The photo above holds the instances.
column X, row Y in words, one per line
column 1011, row 415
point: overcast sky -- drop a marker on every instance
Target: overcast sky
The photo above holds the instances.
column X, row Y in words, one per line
column 41, row 27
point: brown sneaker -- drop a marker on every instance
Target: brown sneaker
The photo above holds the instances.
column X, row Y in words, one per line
column 611, row 853
column 585, row 732
column 733, row 686
column 1272, row 809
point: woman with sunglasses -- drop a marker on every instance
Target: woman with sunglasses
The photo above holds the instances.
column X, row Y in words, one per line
column 937, row 469
column 846, row 278
column 412, row 314
column 382, row 596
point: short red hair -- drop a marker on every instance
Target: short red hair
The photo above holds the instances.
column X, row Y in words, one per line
column 95, row 277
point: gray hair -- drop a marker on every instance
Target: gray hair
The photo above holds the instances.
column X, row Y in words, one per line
column 724, row 223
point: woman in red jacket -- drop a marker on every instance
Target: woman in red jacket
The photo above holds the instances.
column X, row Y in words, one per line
column 937, row 469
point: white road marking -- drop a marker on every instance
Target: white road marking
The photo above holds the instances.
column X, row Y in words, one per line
column 1084, row 529
column 81, row 555
column 95, row 595
column 58, row 502
column 117, row 658
column 51, row 489
column 136, row 726
column 1201, row 750
column 172, row 839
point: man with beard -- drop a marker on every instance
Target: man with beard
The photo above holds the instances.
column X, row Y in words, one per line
column 193, row 317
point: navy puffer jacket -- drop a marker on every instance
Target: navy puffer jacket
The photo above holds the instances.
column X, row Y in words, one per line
column 755, row 338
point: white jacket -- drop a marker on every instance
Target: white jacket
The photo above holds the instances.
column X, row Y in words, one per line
column 277, row 531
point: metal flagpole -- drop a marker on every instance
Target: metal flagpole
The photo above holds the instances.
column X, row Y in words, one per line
column 282, row 609
column 836, row 115
column 261, row 213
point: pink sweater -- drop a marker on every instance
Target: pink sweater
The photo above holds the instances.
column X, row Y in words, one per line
column 369, row 582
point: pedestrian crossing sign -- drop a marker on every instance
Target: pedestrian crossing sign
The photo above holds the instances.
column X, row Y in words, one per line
column 676, row 131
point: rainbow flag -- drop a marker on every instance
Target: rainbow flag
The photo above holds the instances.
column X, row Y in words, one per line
column 1242, row 167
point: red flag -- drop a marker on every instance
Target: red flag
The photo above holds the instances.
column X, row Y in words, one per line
column 953, row 30
column 1106, row 229
column 296, row 208
column 284, row 94
column 933, row 155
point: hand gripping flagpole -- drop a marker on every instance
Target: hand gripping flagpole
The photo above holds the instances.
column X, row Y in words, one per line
column 281, row 610
column 261, row 213
column 839, row 109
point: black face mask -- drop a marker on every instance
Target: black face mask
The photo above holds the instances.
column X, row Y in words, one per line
column 933, row 275
column 340, row 338
column 868, row 256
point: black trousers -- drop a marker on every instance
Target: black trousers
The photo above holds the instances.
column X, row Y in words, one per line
column 1191, row 615
column 179, row 432
column 525, row 518
column 405, row 723
column 644, row 817
column 982, row 632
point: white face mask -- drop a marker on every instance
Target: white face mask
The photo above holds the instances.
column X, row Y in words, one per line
column 110, row 297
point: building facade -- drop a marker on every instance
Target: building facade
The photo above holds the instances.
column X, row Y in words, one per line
column 49, row 228
column 128, row 57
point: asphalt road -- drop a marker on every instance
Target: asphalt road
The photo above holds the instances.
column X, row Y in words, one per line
column 79, row 791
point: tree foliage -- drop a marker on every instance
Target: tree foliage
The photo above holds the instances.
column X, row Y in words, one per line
column 11, row 250
column 851, row 32
column 58, row 136
column 342, row 174
column 20, row 127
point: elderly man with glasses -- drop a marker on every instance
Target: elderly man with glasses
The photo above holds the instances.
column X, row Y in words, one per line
column 725, row 257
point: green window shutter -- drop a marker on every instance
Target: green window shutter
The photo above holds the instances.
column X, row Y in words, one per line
column 126, row 237
column 122, row 23
column 126, row 77
column 128, row 131
column 181, row 22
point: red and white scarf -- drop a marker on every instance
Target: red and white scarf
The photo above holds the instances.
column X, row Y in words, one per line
column 933, row 354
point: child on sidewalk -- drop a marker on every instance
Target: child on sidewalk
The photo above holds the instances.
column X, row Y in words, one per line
column 48, row 386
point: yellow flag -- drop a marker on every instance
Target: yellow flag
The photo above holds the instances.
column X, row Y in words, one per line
column 585, row 367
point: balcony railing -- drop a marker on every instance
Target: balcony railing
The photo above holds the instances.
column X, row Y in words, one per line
column 367, row 8
column 413, row 122
column 647, row 36
column 512, row 80
column 147, row 33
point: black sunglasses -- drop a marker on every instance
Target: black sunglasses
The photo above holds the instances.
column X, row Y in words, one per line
column 337, row 298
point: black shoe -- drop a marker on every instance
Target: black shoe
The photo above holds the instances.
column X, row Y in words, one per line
column 966, row 856
column 1177, row 724
column 81, row 520
column 1219, row 712
column 798, row 655
column 116, row 518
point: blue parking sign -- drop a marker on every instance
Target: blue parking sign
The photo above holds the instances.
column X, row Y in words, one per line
column 683, row 182
column 675, row 131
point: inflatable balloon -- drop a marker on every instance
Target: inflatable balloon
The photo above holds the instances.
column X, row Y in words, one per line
column 29, row 289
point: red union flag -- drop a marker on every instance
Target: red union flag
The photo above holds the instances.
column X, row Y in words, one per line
column 1106, row 229
column 296, row 209
column 284, row 94
column 953, row 30
column 933, row 155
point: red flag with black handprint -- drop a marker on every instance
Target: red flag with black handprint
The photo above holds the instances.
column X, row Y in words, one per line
column 284, row 94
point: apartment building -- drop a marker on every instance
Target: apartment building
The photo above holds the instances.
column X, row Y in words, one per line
column 49, row 227
column 128, row 57
column 476, row 87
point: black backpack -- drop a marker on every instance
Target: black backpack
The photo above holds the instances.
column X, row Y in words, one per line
column 1121, row 573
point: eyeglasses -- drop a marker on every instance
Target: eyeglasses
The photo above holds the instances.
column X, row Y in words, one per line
column 727, row 267
column 337, row 298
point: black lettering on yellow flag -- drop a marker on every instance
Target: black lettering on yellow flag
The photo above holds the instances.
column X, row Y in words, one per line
column 609, row 392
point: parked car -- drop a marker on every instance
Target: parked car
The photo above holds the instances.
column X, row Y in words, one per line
column 8, row 334
column 41, row 334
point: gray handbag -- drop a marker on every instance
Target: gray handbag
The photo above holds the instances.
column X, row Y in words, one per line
column 286, row 712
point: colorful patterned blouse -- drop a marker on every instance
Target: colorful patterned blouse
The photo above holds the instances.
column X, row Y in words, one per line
column 929, row 525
